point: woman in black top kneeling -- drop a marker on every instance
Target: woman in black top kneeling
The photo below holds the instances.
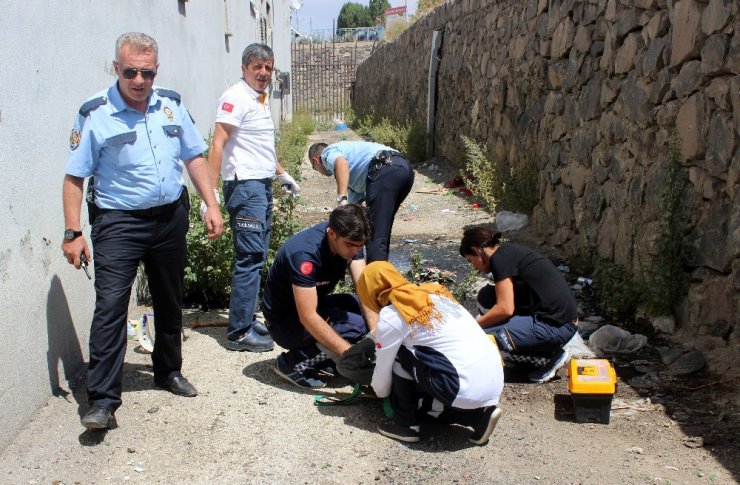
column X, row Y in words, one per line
column 530, row 309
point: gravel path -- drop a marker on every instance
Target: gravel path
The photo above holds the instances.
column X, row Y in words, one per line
column 249, row 426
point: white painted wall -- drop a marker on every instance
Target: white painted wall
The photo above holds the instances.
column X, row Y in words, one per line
column 53, row 56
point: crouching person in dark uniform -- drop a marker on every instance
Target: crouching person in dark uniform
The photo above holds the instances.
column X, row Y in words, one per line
column 431, row 358
column 302, row 315
column 530, row 309
column 372, row 172
column 133, row 139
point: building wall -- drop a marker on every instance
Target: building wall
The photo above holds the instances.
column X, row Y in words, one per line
column 587, row 91
column 54, row 56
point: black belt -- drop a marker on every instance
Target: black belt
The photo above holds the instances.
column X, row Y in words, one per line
column 152, row 211
column 382, row 158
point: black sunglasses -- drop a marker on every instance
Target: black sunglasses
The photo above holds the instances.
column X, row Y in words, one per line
column 131, row 72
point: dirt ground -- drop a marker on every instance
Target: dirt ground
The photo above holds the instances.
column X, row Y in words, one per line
column 247, row 425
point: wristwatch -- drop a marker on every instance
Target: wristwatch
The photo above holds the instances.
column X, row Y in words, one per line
column 71, row 234
column 340, row 198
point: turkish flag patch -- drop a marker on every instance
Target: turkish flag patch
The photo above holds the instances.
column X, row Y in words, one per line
column 306, row 267
column 227, row 107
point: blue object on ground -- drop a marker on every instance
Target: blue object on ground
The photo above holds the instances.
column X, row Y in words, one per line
column 341, row 126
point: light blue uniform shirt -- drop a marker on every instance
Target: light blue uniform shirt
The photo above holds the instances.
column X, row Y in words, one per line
column 358, row 155
column 136, row 158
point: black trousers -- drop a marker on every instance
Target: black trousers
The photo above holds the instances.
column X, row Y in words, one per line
column 120, row 241
column 343, row 313
column 387, row 187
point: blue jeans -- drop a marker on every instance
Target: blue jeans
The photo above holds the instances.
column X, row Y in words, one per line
column 530, row 335
column 249, row 203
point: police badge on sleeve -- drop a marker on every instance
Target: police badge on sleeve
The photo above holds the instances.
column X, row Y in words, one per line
column 74, row 139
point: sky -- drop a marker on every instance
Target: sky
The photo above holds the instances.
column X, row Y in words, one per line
column 318, row 14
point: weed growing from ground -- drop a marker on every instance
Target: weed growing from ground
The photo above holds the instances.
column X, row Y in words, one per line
column 495, row 184
column 665, row 277
column 486, row 184
column 406, row 137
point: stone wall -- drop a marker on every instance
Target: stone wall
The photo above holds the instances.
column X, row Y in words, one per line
column 587, row 90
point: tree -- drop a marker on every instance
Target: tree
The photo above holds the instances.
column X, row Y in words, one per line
column 353, row 15
column 426, row 6
column 377, row 10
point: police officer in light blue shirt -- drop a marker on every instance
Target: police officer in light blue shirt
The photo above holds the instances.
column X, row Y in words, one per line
column 372, row 172
column 134, row 140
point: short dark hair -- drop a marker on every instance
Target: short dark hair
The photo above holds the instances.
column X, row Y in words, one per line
column 316, row 150
column 479, row 237
column 259, row 51
column 351, row 221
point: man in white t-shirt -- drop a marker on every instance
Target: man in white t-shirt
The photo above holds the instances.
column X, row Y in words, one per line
column 243, row 152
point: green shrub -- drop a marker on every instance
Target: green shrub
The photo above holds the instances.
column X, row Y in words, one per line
column 407, row 137
column 618, row 291
column 486, row 184
column 464, row 289
column 210, row 263
column 495, row 184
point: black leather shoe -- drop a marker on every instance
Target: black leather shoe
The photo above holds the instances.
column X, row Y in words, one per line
column 97, row 418
column 251, row 341
column 260, row 328
column 177, row 384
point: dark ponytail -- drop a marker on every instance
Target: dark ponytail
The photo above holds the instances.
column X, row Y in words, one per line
column 479, row 237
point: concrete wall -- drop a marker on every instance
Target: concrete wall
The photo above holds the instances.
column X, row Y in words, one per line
column 54, row 55
column 587, row 90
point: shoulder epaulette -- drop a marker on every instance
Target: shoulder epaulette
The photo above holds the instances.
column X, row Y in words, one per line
column 92, row 104
column 169, row 94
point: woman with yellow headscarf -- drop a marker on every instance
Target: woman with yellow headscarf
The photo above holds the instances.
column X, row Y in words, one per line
column 429, row 349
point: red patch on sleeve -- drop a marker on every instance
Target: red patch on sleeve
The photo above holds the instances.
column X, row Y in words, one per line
column 378, row 345
column 306, row 267
column 227, row 107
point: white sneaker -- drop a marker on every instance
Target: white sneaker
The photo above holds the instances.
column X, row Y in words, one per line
column 551, row 368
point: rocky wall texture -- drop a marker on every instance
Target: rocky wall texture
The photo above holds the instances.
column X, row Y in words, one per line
column 587, row 91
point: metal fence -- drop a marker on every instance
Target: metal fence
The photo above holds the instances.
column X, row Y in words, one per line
column 323, row 74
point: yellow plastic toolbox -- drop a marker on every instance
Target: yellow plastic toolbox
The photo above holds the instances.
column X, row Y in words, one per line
column 592, row 384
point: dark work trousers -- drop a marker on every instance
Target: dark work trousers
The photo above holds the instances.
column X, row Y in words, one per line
column 387, row 187
column 341, row 311
column 120, row 241
column 422, row 381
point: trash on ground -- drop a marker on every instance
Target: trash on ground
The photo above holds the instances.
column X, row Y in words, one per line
column 432, row 275
column 464, row 191
column 644, row 405
column 694, row 442
column 614, row 340
column 454, row 182
column 510, row 221
column 665, row 324
column 577, row 348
